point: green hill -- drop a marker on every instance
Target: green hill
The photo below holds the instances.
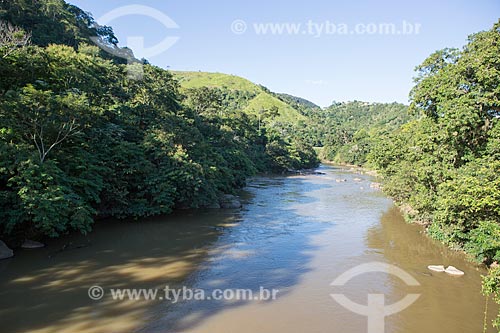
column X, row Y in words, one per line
column 215, row 80
column 265, row 101
column 260, row 97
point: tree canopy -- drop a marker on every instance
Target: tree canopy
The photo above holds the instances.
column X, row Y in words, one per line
column 80, row 140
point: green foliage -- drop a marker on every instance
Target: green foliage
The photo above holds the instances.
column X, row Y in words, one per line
column 350, row 130
column 45, row 196
column 484, row 242
column 265, row 101
column 80, row 140
column 470, row 196
column 244, row 95
column 491, row 287
column 445, row 164
column 293, row 156
column 216, row 80
column 297, row 103
column 54, row 22
column 282, row 129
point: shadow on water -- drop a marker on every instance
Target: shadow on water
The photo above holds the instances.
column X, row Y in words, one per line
column 270, row 248
column 45, row 290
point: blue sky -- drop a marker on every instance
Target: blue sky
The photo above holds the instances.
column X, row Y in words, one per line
column 325, row 68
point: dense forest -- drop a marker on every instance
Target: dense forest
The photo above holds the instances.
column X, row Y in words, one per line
column 81, row 140
column 348, row 131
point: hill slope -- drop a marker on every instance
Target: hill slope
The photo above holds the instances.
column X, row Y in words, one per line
column 299, row 102
column 260, row 98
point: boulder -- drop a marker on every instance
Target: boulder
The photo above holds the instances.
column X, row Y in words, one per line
column 234, row 204
column 5, row 252
column 29, row 244
column 214, row 205
column 230, row 201
column 449, row 270
column 453, row 271
column 436, row 268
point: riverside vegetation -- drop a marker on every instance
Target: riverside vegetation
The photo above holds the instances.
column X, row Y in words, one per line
column 80, row 140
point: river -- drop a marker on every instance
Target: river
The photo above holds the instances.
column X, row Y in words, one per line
column 295, row 235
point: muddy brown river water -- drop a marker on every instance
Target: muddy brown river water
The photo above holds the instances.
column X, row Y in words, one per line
column 295, row 235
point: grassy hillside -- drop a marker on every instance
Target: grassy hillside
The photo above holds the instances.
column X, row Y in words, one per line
column 261, row 98
column 219, row 80
column 265, row 101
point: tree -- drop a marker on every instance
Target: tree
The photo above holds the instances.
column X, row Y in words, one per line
column 205, row 101
column 12, row 38
column 445, row 163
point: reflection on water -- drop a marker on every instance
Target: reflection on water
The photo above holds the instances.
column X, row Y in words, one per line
column 295, row 234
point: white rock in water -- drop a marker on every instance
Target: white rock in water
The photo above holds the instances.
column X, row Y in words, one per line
column 454, row 271
column 436, row 268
